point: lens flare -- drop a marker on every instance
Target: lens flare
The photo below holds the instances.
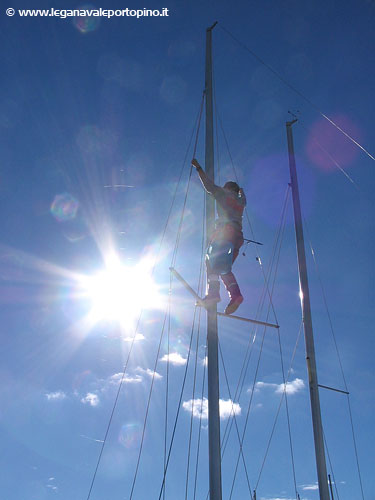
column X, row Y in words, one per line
column 86, row 24
column 130, row 435
column 64, row 207
column 325, row 141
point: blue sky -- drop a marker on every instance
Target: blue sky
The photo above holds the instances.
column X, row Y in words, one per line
column 83, row 106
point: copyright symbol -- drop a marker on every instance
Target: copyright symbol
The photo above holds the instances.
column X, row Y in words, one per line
column 10, row 12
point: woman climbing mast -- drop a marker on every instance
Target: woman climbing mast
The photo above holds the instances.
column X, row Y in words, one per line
column 226, row 241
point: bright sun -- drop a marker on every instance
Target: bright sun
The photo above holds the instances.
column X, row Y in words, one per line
column 119, row 293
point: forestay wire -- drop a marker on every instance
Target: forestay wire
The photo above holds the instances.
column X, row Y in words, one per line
column 285, row 82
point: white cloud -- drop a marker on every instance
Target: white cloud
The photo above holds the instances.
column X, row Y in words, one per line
column 312, row 487
column 279, row 498
column 199, row 408
column 91, row 399
column 227, row 408
column 55, row 396
column 137, row 338
column 52, row 486
column 174, row 358
column 292, row 387
column 149, row 372
column 128, row 379
column 261, row 385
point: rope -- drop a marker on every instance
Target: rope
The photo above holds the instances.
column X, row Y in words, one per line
column 282, row 79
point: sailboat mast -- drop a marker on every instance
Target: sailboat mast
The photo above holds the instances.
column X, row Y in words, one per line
column 212, row 336
column 307, row 322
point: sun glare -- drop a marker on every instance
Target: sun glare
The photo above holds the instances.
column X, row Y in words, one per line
column 119, row 293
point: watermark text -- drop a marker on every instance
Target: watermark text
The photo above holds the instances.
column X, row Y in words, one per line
column 108, row 13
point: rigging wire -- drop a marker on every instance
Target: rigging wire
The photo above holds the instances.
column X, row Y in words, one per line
column 235, row 422
column 278, row 411
column 200, row 426
column 196, row 127
column 113, row 410
column 270, row 297
column 216, row 127
column 282, row 229
column 174, row 257
column 247, row 217
column 248, row 409
column 167, row 377
column 328, row 154
column 161, row 337
column 200, row 288
column 192, row 406
column 260, row 307
column 330, row 464
column 187, row 190
column 282, row 79
column 338, row 357
column 148, row 407
column 259, row 310
column 266, row 286
column 178, row 406
column 277, row 243
column 198, row 119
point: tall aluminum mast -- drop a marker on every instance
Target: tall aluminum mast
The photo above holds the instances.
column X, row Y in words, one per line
column 307, row 323
column 212, row 336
